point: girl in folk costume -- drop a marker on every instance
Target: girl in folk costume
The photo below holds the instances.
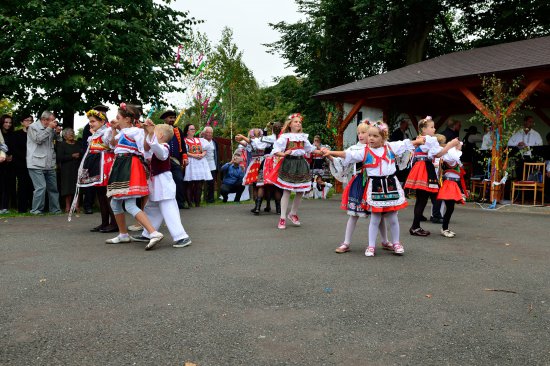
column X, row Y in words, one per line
column 355, row 189
column 95, row 168
column 453, row 189
column 383, row 193
column 197, row 170
column 128, row 179
column 292, row 172
column 423, row 177
column 255, row 148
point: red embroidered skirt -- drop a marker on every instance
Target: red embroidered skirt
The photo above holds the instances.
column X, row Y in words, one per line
column 128, row 177
column 419, row 178
column 450, row 190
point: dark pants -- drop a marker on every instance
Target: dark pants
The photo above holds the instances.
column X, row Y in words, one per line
column 209, row 188
column 177, row 175
column 232, row 188
column 88, row 198
column 436, row 206
column 24, row 189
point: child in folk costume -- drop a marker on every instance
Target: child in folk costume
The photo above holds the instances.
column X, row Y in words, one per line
column 255, row 149
column 354, row 191
column 422, row 177
column 292, row 173
column 128, row 179
column 383, row 193
column 453, row 189
column 96, row 165
column 162, row 204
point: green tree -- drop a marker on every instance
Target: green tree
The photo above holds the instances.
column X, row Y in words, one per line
column 66, row 55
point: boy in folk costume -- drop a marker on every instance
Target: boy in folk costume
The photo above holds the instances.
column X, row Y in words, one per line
column 162, row 204
column 383, row 194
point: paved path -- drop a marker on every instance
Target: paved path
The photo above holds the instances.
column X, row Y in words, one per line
column 245, row 293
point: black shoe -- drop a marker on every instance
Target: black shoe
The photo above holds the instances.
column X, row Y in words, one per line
column 88, row 211
column 109, row 229
column 436, row 220
column 423, row 218
column 256, row 209
column 419, row 232
column 267, row 209
column 96, row 229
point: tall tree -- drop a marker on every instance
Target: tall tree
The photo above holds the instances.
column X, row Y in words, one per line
column 66, row 55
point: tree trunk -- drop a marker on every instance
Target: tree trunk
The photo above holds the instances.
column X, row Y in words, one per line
column 416, row 49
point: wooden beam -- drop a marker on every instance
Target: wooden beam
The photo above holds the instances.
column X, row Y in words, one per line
column 543, row 87
column 539, row 112
column 526, row 93
column 350, row 115
column 478, row 103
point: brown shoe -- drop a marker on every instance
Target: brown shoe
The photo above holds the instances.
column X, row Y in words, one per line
column 419, row 232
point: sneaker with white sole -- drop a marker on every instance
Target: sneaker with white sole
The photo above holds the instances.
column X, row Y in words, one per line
column 343, row 248
column 140, row 238
column 369, row 252
column 294, row 219
column 398, row 248
column 118, row 239
column 447, row 233
column 182, row 243
column 282, row 224
column 154, row 240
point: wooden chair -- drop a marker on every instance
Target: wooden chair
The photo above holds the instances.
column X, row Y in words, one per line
column 480, row 185
column 532, row 173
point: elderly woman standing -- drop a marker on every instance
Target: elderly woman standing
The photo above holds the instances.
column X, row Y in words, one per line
column 68, row 158
column 198, row 169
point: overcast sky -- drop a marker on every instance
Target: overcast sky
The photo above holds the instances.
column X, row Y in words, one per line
column 249, row 20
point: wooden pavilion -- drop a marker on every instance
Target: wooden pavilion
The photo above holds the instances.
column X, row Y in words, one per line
column 450, row 84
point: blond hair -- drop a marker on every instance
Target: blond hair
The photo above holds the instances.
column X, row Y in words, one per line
column 289, row 119
column 441, row 139
column 167, row 131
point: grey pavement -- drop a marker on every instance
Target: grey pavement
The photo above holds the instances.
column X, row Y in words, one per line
column 245, row 293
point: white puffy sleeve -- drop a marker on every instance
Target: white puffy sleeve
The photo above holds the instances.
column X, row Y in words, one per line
column 354, row 156
column 280, row 144
column 433, row 146
column 159, row 150
column 400, row 147
column 452, row 157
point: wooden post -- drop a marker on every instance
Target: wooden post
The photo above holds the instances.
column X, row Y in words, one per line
column 342, row 127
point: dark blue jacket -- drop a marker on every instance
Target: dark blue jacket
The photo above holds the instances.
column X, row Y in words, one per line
column 232, row 174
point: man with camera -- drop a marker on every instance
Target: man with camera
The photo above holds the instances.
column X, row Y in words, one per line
column 41, row 162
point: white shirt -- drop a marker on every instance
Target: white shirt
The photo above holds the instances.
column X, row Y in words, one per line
column 452, row 158
column 134, row 133
column 210, row 154
column 398, row 148
column 161, row 186
column 531, row 138
column 281, row 143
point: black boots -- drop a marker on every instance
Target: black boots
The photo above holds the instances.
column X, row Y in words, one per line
column 256, row 209
column 278, row 206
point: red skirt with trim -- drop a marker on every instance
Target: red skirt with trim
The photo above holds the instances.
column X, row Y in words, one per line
column 108, row 160
column 418, row 178
column 128, row 177
column 252, row 172
column 450, row 191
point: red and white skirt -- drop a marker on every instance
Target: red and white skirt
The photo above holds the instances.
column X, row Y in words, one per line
column 450, row 191
column 128, row 177
column 422, row 176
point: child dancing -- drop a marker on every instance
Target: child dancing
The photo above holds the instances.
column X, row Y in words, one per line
column 292, row 172
column 423, row 177
column 162, row 204
column 383, row 193
column 128, row 179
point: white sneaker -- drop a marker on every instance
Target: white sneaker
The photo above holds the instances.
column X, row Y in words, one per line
column 155, row 238
column 369, row 252
column 119, row 239
column 447, row 233
column 398, row 248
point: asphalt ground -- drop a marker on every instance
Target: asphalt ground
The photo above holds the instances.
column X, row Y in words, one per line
column 245, row 293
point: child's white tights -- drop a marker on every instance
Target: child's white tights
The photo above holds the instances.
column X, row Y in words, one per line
column 295, row 204
column 352, row 223
column 375, row 220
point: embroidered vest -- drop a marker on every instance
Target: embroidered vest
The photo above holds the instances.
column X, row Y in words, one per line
column 127, row 143
column 194, row 145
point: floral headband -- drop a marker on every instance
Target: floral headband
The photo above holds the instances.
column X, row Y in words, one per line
column 97, row 114
column 378, row 124
column 296, row 115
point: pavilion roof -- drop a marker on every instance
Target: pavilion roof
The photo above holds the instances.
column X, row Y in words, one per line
column 444, row 72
